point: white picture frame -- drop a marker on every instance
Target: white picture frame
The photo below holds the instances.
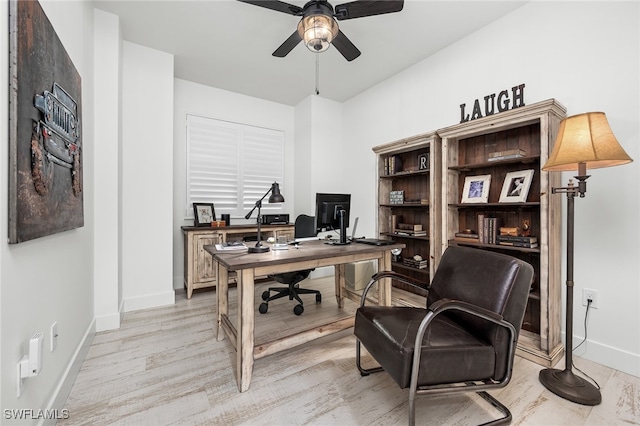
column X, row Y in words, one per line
column 476, row 189
column 515, row 188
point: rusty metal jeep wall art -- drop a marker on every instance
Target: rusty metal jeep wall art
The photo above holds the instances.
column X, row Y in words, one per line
column 45, row 138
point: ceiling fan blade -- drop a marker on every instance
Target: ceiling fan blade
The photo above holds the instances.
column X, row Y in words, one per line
column 360, row 9
column 288, row 45
column 345, row 47
column 278, row 6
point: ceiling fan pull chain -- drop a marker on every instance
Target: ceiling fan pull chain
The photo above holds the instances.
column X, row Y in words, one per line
column 317, row 73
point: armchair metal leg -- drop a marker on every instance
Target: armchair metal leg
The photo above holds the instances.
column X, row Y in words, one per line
column 504, row 410
column 505, row 420
column 364, row 371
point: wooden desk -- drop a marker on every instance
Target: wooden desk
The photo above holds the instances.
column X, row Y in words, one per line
column 311, row 254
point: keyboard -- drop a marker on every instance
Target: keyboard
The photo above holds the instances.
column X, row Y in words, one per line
column 373, row 241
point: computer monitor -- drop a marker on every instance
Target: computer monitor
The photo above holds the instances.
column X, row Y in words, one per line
column 332, row 212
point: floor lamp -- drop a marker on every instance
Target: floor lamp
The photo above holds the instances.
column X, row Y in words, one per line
column 276, row 197
column 584, row 141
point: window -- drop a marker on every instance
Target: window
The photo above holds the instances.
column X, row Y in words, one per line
column 232, row 165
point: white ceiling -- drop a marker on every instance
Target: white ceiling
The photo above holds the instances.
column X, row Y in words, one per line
column 228, row 44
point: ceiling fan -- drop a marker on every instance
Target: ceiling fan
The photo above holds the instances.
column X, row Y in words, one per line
column 318, row 27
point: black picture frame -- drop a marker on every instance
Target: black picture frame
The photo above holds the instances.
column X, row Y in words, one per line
column 203, row 214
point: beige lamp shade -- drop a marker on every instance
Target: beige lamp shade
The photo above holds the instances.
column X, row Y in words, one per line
column 585, row 138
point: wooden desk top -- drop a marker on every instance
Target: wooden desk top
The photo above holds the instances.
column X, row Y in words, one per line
column 314, row 253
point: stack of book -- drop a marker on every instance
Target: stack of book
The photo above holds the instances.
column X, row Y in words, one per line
column 506, row 154
column 517, row 241
column 392, row 165
column 410, row 229
column 231, row 246
column 488, row 229
column 418, row 264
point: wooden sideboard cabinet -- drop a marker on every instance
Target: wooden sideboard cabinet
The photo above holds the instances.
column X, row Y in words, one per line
column 199, row 270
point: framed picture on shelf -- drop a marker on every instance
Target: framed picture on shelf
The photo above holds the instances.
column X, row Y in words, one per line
column 203, row 214
column 476, row 189
column 515, row 188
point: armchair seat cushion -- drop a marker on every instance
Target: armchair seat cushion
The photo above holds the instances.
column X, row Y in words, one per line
column 455, row 355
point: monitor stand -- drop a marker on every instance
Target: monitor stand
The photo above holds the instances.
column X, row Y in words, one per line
column 343, row 231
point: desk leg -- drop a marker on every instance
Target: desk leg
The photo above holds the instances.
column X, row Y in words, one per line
column 340, row 283
column 246, row 310
column 384, row 285
column 222, row 297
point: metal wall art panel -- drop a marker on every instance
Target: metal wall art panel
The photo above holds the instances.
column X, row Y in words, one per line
column 45, row 138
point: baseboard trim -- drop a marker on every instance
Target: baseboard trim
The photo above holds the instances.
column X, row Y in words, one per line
column 609, row 356
column 149, row 301
column 62, row 391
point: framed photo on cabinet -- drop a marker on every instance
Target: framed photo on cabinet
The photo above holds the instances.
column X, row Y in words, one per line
column 476, row 189
column 203, row 214
column 515, row 188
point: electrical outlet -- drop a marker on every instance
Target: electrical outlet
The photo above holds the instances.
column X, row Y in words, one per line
column 588, row 294
column 54, row 336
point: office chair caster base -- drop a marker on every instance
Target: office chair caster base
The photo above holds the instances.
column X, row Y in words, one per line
column 298, row 309
column 318, row 298
column 264, row 307
column 265, row 295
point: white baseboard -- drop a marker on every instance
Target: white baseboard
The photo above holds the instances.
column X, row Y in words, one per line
column 63, row 389
column 149, row 301
column 609, row 356
column 110, row 321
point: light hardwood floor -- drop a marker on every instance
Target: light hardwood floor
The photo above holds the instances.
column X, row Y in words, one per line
column 165, row 367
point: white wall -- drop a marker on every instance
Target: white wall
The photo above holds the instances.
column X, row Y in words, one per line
column 586, row 55
column 204, row 101
column 107, row 59
column 147, row 177
column 51, row 278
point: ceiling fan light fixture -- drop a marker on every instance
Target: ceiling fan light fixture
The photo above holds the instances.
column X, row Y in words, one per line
column 317, row 32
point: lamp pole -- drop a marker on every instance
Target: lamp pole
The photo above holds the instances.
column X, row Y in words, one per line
column 276, row 197
column 565, row 383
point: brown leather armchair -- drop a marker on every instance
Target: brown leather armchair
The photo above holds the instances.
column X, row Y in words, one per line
column 465, row 338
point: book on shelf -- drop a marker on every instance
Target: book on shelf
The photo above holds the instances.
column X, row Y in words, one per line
column 517, row 239
column 490, row 227
column 481, row 227
column 466, row 235
column 392, row 165
column 408, row 233
column 518, row 244
column 410, row 226
column 506, row 154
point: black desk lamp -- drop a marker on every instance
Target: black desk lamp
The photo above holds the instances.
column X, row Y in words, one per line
column 276, row 197
column 584, row 140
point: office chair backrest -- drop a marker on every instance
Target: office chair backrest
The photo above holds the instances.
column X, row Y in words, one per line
column 305, row 226
column 471, row 275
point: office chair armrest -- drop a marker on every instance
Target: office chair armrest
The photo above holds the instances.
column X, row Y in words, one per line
column 393, row 275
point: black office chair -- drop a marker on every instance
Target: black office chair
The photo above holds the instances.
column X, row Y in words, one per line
column 305, row 227
column 465, row 337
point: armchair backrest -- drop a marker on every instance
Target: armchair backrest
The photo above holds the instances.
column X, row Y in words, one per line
column 491, row 280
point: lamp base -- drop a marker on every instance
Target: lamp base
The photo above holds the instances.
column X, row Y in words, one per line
column 258, row 249
column 569, row 386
